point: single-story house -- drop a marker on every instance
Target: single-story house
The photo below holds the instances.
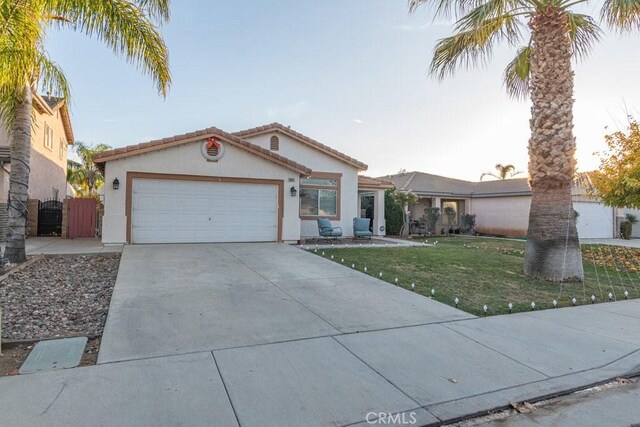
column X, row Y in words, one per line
column 268, row 183
column 502, row 206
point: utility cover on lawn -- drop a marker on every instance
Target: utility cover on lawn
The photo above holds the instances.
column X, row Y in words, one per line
column 54, row 354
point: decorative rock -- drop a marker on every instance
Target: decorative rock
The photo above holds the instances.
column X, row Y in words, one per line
column 58, row 296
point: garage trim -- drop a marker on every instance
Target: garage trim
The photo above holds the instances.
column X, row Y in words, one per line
column 201, row 178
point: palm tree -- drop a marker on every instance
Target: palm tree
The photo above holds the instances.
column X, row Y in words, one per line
column 553, row 33
column 84, row 176
column 503, row 172
column 128, row 27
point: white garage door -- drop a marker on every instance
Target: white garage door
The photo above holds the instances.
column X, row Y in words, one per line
column 175, row 211
column 595, row 220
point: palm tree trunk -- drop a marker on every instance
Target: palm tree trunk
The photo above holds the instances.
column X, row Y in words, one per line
column 19, row 179
column 553, row 249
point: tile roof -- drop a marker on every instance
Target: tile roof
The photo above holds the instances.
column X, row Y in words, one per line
column 368, row 182
column 302, row 138
column 428, row 184
column 52, row 101
column 176, row 140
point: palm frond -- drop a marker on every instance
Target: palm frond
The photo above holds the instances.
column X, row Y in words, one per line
column 156, row 9
column 584, row 32
column 621, row 15
column 496, row 10
column 52, row 78
column 445, row 9
column 125, row 28
column 474, row 45
column 516, row 75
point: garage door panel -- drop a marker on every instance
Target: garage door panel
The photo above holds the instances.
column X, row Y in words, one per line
column 595, row 220
column 165, row 211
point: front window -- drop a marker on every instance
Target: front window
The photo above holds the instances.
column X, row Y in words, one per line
column 319, row 197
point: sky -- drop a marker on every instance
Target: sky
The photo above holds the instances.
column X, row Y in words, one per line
column 351, row 74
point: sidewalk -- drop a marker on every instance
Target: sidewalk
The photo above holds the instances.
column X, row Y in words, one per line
column 59, row 246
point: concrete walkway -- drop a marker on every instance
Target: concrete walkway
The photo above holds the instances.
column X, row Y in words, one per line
column 267, row 334
column 59, row 246
column 632, row 243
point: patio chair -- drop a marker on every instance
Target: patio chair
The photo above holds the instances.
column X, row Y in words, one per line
column 361, row 228
column 328, row 231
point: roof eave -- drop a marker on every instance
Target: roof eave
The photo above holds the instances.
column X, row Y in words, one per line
column 171, row 142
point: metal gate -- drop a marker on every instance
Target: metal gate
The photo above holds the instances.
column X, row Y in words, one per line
column 50, row 218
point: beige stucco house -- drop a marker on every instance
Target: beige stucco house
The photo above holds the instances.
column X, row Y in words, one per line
column 51, row 135
column 502, row 206
column 268, row 183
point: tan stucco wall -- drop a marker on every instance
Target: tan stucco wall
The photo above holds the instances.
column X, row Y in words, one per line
column 48, row 169
column 508, row 216
column 187, row 159
column 319, row 162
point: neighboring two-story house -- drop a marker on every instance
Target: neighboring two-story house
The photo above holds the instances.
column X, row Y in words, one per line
column 51, row 135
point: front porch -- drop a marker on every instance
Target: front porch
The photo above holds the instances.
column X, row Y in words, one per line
column 450, row 219
column 371, row 202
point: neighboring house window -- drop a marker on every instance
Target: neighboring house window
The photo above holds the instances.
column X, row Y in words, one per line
column 61, row 150
column 48, row 137
column 320, row 196
column 274, row 143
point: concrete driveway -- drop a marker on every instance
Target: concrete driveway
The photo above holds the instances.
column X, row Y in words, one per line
column 177, row 299
column 267, row 334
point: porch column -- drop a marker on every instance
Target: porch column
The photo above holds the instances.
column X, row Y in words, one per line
column 378, row 213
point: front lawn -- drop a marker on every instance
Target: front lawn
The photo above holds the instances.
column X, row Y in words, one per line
column 481, row 271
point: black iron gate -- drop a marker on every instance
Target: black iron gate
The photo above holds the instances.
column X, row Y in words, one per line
column 50, row 218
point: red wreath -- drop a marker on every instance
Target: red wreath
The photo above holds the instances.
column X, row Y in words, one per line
column 213, row 142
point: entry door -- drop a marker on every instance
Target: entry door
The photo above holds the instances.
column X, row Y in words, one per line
column 177, row 211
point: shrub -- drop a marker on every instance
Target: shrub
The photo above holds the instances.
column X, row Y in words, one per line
column 468, row 222
column 392, row 213
column 433, row 217
column 626, row 227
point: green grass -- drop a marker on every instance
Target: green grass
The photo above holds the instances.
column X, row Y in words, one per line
column 488, row 271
